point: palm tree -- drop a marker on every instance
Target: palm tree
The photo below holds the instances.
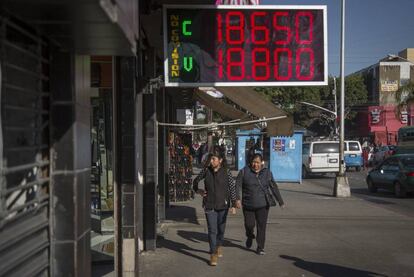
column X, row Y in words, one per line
column 404, row 97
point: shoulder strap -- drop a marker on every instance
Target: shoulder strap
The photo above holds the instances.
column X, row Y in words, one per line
column 261, row 185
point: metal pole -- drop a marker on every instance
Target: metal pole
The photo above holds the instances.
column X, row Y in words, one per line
column 341, row 188
column 342, row 136
column 336, row 108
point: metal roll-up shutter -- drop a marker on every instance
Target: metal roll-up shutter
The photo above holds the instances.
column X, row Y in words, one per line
column 24, row 151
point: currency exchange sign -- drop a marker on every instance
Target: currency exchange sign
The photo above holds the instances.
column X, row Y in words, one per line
column 245, row 45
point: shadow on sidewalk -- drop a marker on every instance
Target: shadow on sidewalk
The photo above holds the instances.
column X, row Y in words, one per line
column 320, row 176
column 182, row 214
column 305, row 192
column 182, row 248
column 324, row 269
column 195, row 237
column 198, row 237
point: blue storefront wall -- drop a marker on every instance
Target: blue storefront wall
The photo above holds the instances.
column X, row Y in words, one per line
column 242, row 138
column 286, row 158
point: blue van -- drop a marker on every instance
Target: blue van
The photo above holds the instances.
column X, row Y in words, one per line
column 353, row 155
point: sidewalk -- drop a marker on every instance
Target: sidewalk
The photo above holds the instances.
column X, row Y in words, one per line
column 315, row 235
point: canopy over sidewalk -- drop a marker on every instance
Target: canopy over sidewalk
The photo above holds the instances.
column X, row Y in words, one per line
column 256, row 104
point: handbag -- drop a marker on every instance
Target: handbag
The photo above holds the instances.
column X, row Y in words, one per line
column 269, row 194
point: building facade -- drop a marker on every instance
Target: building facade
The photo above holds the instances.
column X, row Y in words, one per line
column 383, row 116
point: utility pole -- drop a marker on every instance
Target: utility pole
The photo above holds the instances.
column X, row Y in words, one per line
column 336, row 108
column 341, row 187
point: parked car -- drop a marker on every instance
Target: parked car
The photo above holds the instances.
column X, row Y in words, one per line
column 383, row 152
column 320, row 157
column 353, row 155
column 396, row 173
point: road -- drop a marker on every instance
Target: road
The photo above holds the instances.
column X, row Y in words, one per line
column 383, row 198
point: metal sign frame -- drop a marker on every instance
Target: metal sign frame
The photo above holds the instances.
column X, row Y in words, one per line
column 167, row 82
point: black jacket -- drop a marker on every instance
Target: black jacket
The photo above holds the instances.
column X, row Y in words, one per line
column 253, row 196
column 220, row 188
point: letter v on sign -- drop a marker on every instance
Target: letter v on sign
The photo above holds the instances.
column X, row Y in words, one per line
column 188, row 63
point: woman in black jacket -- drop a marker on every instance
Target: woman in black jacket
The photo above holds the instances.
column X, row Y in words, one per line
column 254, row 182
column 219, row 194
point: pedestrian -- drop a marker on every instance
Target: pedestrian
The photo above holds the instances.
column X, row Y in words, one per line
column 365, row 154
column 219, row 194
column 200, row 154
column 254, row 181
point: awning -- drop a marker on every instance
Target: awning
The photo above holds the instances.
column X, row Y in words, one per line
column 222, row 108
column 105, row 27
column 219, row 106
column 256, row 104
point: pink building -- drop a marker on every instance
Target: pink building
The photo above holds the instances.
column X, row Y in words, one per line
column 384, row 122
column 381, row 120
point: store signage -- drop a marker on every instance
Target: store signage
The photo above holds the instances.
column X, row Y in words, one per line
column 404, row 117
column 389, row 86
column 375, row 116
column 245, row 45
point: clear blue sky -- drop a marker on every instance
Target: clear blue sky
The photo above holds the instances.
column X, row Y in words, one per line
column 374, row 28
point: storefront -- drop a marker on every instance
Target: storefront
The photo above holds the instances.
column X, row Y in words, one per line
column 381, row 123
column 58, row 158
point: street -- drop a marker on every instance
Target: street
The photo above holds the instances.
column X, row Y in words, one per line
column 383, row 198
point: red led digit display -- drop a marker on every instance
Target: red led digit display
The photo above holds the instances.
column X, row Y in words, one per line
column 257, row 30
column 299, row 27
column 283, row 64
column 245, row 46
column 282, row 28
column 264, row 64
column 235, row 31
column 235, row 64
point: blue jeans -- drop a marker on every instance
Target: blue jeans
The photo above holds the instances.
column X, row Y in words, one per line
column 216, row 222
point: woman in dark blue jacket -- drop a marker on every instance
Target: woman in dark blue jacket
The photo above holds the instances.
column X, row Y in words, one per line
column 219, row 194
column 254, row 182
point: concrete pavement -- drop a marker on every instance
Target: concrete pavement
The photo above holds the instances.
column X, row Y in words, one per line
column 315, row 235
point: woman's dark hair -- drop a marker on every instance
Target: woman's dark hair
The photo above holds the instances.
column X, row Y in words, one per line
column 218, row 152
column 256, row 155
column 207, row 160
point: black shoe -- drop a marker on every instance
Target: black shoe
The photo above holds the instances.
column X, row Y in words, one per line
column 249, row 242
column 260, row 252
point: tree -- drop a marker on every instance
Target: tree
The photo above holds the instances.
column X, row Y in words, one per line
column 404, row 97
column 289, row 98
column 356, row 94
column 356, row 97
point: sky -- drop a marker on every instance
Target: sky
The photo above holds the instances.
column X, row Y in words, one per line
column 373, row 29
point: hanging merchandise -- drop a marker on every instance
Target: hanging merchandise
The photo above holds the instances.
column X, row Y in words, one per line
column 180, row 170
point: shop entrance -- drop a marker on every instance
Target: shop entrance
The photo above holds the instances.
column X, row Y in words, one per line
column 102, row 189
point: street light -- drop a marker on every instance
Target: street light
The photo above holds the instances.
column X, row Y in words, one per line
column 319, row 107
column 326, row 110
